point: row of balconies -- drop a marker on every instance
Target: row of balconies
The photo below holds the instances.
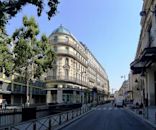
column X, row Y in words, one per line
column 71, row 54
column 70, row 80
column 69, row 43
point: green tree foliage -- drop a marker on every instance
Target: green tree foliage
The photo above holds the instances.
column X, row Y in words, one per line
column 32, row 57
column 6, row 57
column 9, row 8
column 29, row 51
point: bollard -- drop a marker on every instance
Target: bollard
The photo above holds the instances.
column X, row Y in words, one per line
column 34, row 125
column 60, row 119
column 67, row 116
column 155, row 117
column 72, row 114
column 49, row 123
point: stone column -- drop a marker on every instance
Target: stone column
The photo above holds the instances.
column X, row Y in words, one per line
column 59, row 94
column 49, row 96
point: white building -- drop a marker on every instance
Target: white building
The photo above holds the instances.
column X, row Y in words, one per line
column 77, row 76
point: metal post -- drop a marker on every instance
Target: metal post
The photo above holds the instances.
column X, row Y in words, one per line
column 60, row 119
column 34, row 125
column 67, row 116
column 49, row 124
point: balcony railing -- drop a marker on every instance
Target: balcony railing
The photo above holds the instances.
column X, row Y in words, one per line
column 72, row 54
column 67, row 79
column 70, row 43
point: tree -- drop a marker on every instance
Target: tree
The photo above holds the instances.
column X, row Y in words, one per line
column 9, row 8
column 6, row 59
column 32, row 57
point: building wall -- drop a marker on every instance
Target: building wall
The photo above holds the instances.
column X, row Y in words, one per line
column 147, row 40
column 76, row 70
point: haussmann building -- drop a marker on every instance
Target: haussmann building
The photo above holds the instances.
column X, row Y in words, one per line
column 76, row 76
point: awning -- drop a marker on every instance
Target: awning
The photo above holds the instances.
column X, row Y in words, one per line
column 137, row 66
column 149, row 54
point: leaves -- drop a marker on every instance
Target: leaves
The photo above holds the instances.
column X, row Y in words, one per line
column 32, row 57
column 9, row 8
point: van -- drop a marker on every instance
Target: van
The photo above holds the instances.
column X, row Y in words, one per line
column 119, row 102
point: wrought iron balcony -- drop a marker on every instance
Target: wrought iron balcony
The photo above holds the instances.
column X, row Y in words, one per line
column 67, row 79
column 70, row 43
column 71, row 54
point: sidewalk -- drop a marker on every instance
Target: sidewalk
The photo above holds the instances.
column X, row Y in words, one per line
column 151, row 116
column 147, row 114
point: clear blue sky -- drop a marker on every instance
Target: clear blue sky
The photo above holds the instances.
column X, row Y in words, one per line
column 109, row 28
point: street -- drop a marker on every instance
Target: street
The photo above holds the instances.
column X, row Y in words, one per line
column 106, row 117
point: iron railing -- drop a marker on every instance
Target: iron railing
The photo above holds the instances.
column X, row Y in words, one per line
column 49, row 122
column 67, row 79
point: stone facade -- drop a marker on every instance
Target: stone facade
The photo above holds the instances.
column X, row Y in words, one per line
column 144, row 64
column 76, row 77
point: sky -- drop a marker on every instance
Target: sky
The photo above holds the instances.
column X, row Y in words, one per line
column 109, row 28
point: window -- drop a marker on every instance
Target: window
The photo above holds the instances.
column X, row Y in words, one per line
column 67, row 61
column 55, row 48
column 67, row 49
column 55, row 38
column 67, row 39
column 66, row 73
column 54, row 73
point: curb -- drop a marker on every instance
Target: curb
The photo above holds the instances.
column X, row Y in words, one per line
column 141, row 118
column 71, row 121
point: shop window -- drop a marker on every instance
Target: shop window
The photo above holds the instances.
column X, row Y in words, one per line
column 55, row 86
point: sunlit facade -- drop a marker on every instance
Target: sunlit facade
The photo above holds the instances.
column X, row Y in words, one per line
column 144, row 65
column 76, row 76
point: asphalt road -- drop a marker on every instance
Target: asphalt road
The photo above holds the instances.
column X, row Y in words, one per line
column 107, row 117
